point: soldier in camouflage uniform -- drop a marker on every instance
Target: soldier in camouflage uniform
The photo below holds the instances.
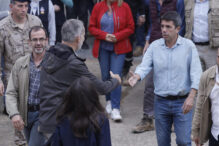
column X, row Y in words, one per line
column 14, row 37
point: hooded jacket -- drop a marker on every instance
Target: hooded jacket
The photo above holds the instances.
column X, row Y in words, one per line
column 60, row 68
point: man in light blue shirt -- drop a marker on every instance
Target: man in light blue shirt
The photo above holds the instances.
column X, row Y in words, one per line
column 177, row 72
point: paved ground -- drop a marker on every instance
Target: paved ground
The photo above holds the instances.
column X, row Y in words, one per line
column 131, row 110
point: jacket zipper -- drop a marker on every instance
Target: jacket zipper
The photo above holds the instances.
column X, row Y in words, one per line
column 114, row 17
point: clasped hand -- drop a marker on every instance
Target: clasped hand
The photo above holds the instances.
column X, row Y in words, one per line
column 111, row 38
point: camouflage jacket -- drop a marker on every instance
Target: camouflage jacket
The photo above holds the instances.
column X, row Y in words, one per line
column 14, row 42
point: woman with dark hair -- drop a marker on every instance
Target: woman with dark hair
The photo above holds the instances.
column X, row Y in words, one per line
column 81, row 118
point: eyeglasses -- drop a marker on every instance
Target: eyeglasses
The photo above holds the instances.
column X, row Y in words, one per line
column 35, row 40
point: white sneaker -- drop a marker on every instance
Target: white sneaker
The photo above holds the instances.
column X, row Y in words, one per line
column 115, row 115
column 108, row 107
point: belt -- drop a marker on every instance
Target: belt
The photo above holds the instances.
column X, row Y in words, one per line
column 170, row 97
column 202, row 43
column 33, row 108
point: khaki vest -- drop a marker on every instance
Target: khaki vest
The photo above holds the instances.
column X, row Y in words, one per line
column 213, row 21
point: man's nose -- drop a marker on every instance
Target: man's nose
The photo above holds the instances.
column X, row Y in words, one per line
column 24, row 8
column 164, row 29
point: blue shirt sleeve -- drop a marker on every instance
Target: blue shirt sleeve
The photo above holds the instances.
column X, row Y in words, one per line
column 147, row 63
column 195, row 68
column 181, row 10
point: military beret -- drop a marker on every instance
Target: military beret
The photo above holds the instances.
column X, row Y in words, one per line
column 21, row 0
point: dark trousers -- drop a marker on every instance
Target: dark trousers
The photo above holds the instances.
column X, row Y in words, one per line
column 213, row 141
column 128, row 58
column 148, row 107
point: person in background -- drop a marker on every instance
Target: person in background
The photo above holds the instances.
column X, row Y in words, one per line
column 44, row 9
column 205, row 124
column 61, row 66
column 80, row 11
column 60, row 18
column 81, row 118
column 111, row 23
column 203, row 13
column 177, row 71
column 138, row 13
column 14, row 36
column 22, row 94
column 141, row 31
column 156, row 9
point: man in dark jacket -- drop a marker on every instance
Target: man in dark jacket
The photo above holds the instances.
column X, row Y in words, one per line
column 61, row 67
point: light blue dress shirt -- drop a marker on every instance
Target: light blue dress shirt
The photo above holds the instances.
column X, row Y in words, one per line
column 176, row 69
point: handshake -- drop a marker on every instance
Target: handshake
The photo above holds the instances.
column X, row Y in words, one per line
column 132, row 80
column 115, row 76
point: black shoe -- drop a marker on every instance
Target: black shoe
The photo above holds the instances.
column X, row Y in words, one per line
column 85, row 46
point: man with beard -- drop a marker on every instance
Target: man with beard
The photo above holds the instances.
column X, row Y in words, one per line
column 22, row 98
column 14, row 30
column 60, row 68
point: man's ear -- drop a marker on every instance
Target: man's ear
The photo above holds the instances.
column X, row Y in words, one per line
column 77, row 39
column 11, row 6
column 178, row 28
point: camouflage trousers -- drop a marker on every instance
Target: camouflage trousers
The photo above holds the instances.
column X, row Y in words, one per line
column 19, row 138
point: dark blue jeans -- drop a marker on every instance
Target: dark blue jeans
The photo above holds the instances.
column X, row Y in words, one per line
column 168, row 112
column 109, row 61
column 33, row 136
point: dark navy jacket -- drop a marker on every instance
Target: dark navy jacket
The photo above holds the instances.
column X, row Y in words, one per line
column 64, row 136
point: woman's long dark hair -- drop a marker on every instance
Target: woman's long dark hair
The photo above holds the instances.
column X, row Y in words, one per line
column 82, row 107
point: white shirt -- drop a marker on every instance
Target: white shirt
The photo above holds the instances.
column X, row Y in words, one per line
column 200, row 26
column 35, row 10
column 214, row 96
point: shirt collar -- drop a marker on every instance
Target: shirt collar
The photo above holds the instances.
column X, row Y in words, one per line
column 32, row 61
column 198, row 1
column 178, row 42
column 14, row 24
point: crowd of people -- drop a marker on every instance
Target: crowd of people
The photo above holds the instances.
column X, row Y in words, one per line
column 52, row 98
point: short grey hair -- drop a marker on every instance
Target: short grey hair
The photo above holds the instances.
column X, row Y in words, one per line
column 71, row 29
